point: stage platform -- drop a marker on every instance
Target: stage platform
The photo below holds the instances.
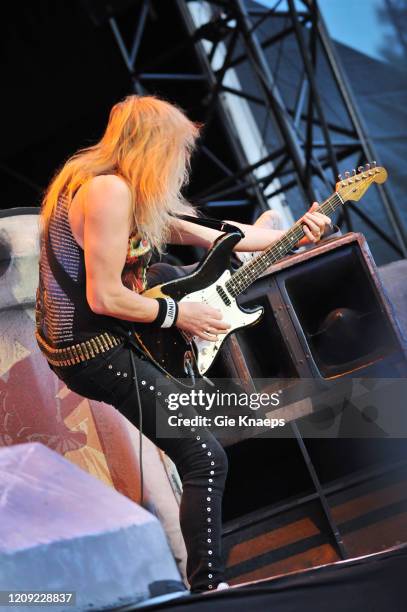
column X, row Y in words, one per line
column 372, row 583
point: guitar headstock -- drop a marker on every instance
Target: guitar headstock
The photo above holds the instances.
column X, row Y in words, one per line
column 354, row 185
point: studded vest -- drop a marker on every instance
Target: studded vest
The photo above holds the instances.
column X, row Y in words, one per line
column 62, row 312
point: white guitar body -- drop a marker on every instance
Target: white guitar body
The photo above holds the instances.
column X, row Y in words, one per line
column 237, row 318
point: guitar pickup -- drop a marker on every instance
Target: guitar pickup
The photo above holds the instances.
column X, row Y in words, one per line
column 223, row 295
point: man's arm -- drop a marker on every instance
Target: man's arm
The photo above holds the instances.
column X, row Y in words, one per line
column 107, row 213
column 256, row 239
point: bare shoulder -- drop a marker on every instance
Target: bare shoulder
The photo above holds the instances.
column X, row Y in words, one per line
column 107, row 192
column 108, row 185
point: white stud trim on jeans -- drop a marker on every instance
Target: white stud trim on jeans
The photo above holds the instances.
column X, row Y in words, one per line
column 208, row 509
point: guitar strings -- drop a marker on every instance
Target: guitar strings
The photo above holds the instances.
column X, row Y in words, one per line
column 249, row 272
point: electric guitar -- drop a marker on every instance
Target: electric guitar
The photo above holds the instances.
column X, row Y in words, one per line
column 215, row 283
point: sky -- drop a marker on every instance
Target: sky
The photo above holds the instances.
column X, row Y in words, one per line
column 352, row 22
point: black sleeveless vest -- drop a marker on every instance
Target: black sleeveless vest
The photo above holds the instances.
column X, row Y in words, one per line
column 63, row 315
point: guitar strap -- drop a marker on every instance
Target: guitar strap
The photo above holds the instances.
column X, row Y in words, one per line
column 222, row 226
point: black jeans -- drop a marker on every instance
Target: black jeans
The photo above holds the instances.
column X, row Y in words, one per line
column 200, row 459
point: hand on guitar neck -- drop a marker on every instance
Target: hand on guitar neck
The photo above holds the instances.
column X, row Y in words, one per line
column 314, row 225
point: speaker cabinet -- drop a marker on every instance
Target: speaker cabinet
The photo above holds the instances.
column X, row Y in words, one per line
column 274, row 518
column 326, row 315
column 301, row 502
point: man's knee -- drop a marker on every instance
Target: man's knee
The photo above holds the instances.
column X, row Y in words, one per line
column 204, row 456
column 163, row 272
column 219, row 463
column 222, row 459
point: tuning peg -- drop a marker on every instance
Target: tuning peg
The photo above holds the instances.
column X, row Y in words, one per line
column 374, row 164
column 340, row 177
column 353, row 172
column 367, row 167
column 347, row 174
column 360, row 168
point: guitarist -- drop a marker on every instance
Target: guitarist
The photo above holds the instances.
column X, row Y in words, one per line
column 103, row 213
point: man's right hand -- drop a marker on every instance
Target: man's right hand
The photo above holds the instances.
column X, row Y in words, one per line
column 201, row 320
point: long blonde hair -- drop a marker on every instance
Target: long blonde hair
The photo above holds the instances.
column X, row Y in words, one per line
column 148, row 142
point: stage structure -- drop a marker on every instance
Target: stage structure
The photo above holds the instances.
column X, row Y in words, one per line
column 273, row 77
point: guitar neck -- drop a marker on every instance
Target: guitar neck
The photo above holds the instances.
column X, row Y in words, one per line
column 250, row 271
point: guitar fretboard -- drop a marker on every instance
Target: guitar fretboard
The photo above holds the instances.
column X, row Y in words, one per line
column 250, row 271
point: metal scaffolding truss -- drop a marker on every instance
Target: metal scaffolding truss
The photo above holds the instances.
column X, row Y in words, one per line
column 273, row 76
column 238, row 182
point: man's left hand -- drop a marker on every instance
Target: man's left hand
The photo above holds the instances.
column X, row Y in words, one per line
column 314, row 224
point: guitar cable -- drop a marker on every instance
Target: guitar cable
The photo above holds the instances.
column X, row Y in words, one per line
column 130, row 340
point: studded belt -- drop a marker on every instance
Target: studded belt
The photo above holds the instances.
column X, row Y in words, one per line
column 75, row 353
